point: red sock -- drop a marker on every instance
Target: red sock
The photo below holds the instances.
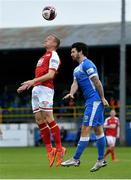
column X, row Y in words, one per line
column 45, row 134
column 56, row 134
column 112, row 154
column 107, row 152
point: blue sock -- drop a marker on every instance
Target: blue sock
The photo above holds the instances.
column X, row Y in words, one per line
column 101, row 143
column 83, row 142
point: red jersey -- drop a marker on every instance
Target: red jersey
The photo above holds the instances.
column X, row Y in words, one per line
column 50, row 60
column 111, row 121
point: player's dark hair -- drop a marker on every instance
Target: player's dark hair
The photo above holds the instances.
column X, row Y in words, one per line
column 81, row 47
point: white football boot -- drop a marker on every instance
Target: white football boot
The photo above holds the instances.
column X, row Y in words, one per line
column 71, row 162
column 98, row 165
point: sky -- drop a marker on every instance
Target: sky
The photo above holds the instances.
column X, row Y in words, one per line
column 28, row 13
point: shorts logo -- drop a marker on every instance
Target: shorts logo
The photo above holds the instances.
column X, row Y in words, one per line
column 45, row 103
column 86, row 118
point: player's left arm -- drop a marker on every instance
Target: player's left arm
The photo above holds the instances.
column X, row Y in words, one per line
column 91, row 71
column 118, row 129
column 73, row 90
column 28, row 84
column 53, row 67
column 99, row 87
column 48, row 76
column 106, row 125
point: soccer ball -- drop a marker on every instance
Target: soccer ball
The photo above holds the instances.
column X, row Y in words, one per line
column 49, row 13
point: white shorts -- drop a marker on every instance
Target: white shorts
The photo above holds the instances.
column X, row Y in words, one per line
column 42, row 98
column 111, row 141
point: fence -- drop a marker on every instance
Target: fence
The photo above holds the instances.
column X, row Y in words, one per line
column 68, row 117
column 16, row 115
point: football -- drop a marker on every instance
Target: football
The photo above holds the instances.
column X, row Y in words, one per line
column 49, row 13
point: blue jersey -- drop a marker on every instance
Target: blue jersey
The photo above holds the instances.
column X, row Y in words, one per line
column 83, row 74
column 93, row 115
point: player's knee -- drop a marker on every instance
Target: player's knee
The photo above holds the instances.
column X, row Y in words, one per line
column 49, row 117
column 39, row 118
column 85, row 131
column 98, row 130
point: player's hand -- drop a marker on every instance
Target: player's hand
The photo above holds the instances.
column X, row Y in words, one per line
column 22, row 88
column 68, row 96
column 113, row 126
column 28, row 83
column 118, row 136
column 105, row 102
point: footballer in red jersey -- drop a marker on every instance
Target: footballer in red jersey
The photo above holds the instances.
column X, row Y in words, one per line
column 42, row 99
column 112, row 131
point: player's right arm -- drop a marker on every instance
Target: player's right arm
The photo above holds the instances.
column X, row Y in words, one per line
column 106, row 125
column 22, row 88
column 73, row 90
column 92, row 73
column 118, row 129
column 99, row 87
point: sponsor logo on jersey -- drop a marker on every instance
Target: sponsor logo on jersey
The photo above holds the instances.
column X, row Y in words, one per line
column 47, row 55
column 90, row 71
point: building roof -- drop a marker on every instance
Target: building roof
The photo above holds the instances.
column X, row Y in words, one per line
column 92, row 34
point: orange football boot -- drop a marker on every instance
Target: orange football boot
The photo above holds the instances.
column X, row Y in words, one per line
column 51, row 156
column 60, row 156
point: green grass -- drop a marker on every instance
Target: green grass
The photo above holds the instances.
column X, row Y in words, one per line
column 31, row 163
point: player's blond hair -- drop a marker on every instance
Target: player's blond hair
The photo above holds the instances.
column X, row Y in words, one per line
column 56, row 39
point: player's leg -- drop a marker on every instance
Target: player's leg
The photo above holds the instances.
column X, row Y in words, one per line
column 100, row 147
column 101, row 142
column 37, row 95
column 44, row 130
column 83, row 142
column 46, row 136
column 40, row 119
column 112, row 148
column 108, row 150
column 112, row 153
column 97, row 123
column 55, row 130
column 46, row 106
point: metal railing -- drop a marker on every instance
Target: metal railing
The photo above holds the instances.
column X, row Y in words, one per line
column 24, row 114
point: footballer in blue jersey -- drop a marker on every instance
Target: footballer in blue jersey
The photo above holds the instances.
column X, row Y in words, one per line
column 83, row 74
column 87, row 79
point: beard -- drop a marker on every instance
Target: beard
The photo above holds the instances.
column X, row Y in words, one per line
column 76, row 58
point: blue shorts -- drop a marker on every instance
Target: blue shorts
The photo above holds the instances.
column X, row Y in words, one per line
column 94, row 114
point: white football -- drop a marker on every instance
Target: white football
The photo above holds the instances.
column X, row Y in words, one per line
column 49, row 13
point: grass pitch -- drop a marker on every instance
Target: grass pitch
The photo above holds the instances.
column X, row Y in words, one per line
column 31, row 163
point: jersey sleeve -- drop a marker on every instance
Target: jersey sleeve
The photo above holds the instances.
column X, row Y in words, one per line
column 118, row 122
column 74, row 77
column 54, row 61
column 90, row 69
column 106, row 122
